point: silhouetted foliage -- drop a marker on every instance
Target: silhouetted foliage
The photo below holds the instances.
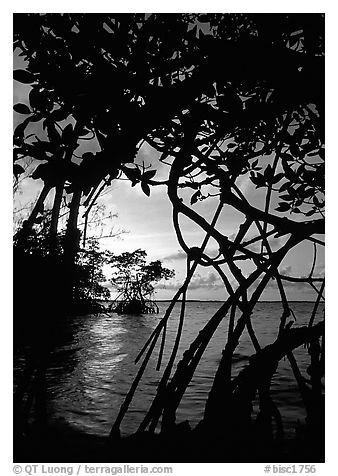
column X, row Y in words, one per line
column 225, row 99
column 134, row 282
column 88, row 274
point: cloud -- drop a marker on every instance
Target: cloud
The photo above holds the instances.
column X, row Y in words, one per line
column 302, row 286
column 210, row 282
column 319, row 270
column 286, row 270
column 275, row 244
column 299, row 287
column 180, row 255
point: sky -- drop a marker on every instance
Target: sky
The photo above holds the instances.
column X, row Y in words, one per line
column 147, row 224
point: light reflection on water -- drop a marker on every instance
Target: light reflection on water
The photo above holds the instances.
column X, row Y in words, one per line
column 92, row 370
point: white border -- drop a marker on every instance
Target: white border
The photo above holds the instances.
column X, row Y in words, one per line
column 6, row 199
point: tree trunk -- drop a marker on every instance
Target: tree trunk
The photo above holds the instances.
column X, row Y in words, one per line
column 71, row 246
column 234, row 413
column 55, row 218
column 38, row 207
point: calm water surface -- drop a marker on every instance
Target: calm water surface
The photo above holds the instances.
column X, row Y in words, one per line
column 92, row 368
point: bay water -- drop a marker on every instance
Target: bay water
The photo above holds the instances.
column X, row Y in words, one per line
column 92, row 368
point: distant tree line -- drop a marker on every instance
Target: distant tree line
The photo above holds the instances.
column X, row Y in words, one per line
column 221, row 97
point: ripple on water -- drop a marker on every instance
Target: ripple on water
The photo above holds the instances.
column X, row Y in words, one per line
column 92, row 368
